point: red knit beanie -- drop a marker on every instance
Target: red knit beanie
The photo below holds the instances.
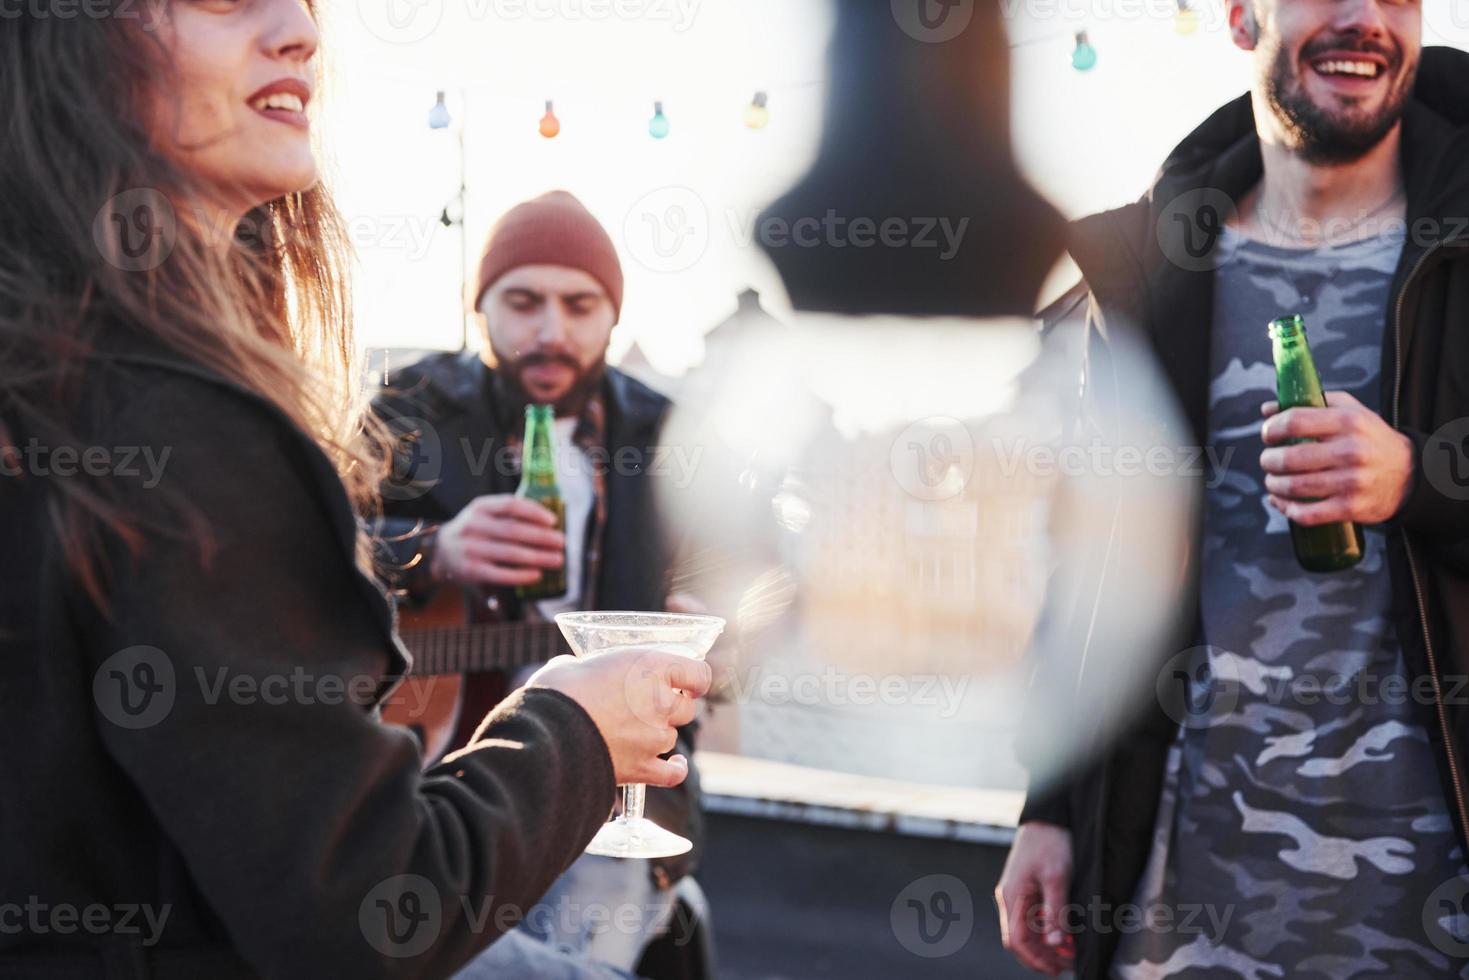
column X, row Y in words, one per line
column 553, row 229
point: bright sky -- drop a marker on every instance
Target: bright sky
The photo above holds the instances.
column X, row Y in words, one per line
column 1088, row 140
column 704, row 59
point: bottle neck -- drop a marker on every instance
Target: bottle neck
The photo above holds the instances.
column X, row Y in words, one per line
column 538, row 459
column 1296, row 380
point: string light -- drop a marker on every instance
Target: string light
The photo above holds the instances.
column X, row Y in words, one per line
column 1083, row 55
column 757, row 113
column 1084, row 58
column 1187, row 20
column 438, row 116
column 756, row 116
column 550, row 125
column 658, row 127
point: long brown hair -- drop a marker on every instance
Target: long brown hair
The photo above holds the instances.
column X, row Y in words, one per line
column 271, row 315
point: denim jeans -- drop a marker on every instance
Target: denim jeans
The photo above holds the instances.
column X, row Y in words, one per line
column 593, row 924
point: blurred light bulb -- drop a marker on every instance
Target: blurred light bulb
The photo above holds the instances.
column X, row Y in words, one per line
column 1084, row 58
column 659, row 127
column 1187, row 20
column 757, row 113
column 438, row 116
column 550, row 125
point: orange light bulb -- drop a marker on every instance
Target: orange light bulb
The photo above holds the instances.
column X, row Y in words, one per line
column 550, row 125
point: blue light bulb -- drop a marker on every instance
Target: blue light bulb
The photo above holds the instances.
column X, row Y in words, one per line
column 438, row 116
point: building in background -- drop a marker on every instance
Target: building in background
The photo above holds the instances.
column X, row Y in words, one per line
column 903, row 589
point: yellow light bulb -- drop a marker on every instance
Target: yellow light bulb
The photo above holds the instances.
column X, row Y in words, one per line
column 757, row 113
column 1187, row 20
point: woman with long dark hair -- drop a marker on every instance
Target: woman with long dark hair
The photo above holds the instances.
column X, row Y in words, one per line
column 193, row 640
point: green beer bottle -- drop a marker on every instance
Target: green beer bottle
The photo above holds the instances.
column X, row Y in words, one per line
column 1324, row 547
column 538, row 483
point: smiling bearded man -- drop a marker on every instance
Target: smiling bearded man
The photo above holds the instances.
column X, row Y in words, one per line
column 1292, row 805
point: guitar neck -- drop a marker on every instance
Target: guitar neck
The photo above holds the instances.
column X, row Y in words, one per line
column 482, row 647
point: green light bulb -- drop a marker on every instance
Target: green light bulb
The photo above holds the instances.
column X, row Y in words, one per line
column 1084, row 58
column 658, row 128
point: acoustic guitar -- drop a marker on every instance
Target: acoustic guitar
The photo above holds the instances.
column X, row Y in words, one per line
column 463, row 660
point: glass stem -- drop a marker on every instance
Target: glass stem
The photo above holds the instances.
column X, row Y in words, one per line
column 632, row 801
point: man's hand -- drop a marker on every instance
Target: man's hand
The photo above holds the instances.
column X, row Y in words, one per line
column 1359, row 468
column 723, row 656
column 637, row 697
column 498, row 540
column 1031, row 896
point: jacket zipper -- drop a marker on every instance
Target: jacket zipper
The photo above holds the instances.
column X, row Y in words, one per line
column 1443, row 718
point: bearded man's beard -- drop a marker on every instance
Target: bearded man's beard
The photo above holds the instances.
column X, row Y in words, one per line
column 511, row 370
column 1335, row 137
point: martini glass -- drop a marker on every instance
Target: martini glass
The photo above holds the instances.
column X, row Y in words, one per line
column 630, row 834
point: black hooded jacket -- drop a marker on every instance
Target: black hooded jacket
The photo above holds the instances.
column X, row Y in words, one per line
column 1147, row 271
column 197, row 782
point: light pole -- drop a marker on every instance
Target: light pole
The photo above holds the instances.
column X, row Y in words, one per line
column 439, row 118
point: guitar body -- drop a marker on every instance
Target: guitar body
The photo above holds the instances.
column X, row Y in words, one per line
column 464, row 656
column 430, row 704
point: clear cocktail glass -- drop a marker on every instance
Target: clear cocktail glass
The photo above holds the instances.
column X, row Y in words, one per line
column 630, row 834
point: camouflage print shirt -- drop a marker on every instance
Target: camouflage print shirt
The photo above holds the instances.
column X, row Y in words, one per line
column 1302, row 831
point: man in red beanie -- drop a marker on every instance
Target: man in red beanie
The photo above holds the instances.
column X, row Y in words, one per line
column 549, row 292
